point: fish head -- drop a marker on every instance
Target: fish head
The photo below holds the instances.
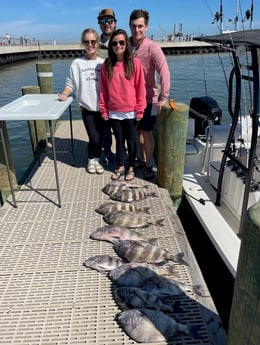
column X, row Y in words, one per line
column 93, row 261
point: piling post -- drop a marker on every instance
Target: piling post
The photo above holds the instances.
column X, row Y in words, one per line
column 45, row 77
column 45, row 81
column 6, row 162
column 37, row 129
column 172, row 123
column 244, row 322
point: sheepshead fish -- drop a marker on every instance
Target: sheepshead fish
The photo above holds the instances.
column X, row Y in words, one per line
column 132, row 275
column 114, row 233
column 141, row 251
column 114, row 186
column 130, row 195
column 103, row 263
column 130, row 219
column 136, row 268
column 110, row 206
column 132, row 297
column 148, row 326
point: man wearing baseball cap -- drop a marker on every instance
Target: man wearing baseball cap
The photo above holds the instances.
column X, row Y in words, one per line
column 107, row 22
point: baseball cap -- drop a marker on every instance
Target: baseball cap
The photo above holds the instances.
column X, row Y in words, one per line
column 106, row 12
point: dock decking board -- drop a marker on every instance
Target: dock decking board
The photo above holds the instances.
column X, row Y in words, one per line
column 47, row 296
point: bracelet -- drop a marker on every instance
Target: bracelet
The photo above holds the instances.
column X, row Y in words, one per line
column 64, row 94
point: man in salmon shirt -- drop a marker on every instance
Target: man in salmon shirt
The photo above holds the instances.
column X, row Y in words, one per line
column 153, row 61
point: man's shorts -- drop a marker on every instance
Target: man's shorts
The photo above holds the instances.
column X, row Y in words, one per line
column 148, row 121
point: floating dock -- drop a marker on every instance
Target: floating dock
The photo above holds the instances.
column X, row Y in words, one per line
column 47, row 296
column 18, row 53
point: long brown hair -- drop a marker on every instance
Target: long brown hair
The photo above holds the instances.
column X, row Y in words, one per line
column 112, row 57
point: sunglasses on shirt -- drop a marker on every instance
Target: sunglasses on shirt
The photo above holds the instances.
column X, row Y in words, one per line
column 106, row 21
column 121, row 43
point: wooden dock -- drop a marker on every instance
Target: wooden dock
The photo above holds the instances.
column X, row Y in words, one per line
column 47, row 295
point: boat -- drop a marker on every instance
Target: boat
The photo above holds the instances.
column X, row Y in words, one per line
column 222, row 162
column 238, row 24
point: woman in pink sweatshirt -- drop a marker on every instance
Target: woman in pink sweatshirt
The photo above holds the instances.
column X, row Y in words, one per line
column 122, row 98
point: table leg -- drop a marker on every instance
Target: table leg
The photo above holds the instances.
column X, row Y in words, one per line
column 71, row 137
column 55, row 162
column 37, row 142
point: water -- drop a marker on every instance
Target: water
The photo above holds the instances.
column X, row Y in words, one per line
column 191, row 76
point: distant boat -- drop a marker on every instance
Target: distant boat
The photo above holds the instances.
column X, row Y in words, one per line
column 238, row 24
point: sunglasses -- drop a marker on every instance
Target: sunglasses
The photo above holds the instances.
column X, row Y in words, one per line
column 106, row 21
column 92, row 42
column 121, row 43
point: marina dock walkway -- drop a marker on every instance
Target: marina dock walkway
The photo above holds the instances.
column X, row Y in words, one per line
column 47, row 296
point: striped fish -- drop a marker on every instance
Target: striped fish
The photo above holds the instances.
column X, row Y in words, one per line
column 147, row 270
column 131, row 194
column 130, row 219
column 110, row 206
column 140, row 251
column 115, row 186
column 103, row 263
column 114, row 233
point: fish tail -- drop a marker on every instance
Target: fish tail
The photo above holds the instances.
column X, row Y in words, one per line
column 197, row 289
column 147, row 210
column 178, row 258
column 154, row 195
column 159, row 222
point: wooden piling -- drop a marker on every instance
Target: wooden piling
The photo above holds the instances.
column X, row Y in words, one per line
column 45, row 81
column 244, row 323
column 5, row 187
column 45, row 77
column 171, row 140
column 38, row 141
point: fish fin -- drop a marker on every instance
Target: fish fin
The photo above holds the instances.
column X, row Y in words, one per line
column 171, row 270
column 153, row 241
column 159, row 222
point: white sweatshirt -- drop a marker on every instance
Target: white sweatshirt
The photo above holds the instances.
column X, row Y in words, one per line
column 84, row 80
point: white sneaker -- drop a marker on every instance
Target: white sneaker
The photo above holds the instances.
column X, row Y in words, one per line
column 91, row 167
column 98, row 167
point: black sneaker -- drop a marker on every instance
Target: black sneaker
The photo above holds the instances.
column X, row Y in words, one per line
column 149, row 173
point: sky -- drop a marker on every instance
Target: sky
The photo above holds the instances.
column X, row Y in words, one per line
column 64, row 20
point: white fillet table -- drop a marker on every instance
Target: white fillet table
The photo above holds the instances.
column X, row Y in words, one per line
column 36, row 107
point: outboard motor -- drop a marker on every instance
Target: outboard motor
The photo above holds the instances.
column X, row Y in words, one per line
column 204, row 110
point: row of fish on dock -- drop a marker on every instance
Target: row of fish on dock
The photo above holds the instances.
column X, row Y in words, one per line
column 143, row 281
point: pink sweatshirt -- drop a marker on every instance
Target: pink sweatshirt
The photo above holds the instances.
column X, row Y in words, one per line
column 120, row 94
column 153, row 60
